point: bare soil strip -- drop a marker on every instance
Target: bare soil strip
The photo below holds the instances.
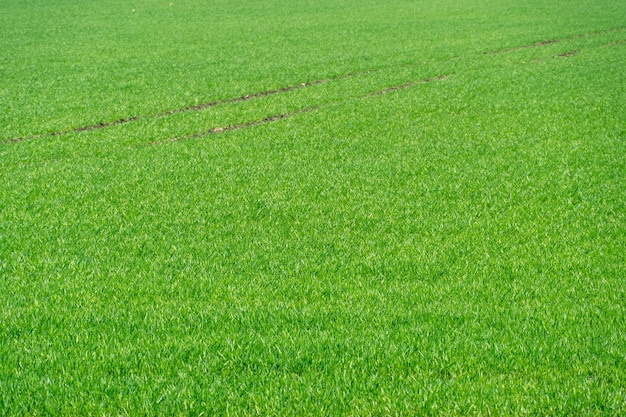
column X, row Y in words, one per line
column 576, row 52
column 198, row 107
column 300, row 111
column 193, row 108
column 566, row 54
column 237, row 126
column 615, row 43
column 551, row 41
column 522, row 47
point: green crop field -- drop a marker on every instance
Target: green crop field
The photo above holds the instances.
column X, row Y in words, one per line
column 298, row 207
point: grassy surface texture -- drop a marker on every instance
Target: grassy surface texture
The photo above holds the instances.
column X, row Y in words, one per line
column 326, row 207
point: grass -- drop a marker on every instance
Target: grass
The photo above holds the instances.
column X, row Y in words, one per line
column 453, row 246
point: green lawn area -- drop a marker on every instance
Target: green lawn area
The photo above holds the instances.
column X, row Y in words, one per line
column 332, row 207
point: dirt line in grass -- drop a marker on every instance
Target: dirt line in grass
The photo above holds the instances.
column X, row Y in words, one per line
column 576, row 52
column 296, row 112
column 614, row 43
column 552, row 41
column 197, row 107
column 566, row 54
column 202, row 106
column 237, row 126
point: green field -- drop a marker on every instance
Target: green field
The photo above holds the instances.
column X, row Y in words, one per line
column 331, row 207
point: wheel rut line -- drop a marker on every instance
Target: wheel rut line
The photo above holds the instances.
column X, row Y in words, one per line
column 193, row 108
column 575, row 52
column 281, row 116
column 238, row 126
column 553, row 41
column 202, row 106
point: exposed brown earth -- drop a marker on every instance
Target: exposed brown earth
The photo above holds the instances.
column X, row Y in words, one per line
column 566, row 54
column 198, row 107
column 286, row 115
column 551, row 41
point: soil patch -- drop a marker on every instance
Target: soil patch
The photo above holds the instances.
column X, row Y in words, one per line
column 281, row 116
column 197, row 107
column 566, row 54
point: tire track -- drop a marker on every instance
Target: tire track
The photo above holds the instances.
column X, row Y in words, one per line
column 380, row 92
column 281, row 116
column 553, row 41
column 202, row 106
column 197, row 107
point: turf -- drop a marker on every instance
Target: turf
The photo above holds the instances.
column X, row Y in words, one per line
column 318, row 208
